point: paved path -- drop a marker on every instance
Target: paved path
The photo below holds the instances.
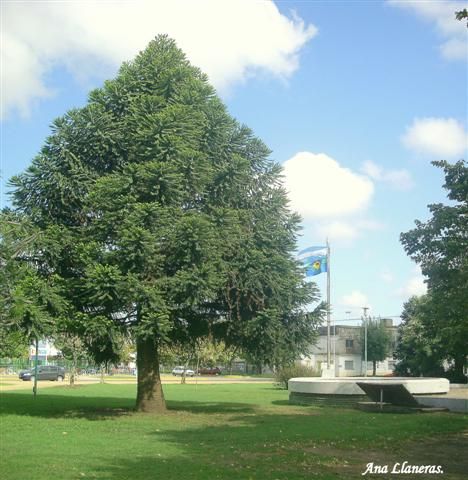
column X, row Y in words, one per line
column 454, row 393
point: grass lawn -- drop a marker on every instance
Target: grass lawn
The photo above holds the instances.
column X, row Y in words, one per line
column 229, row 431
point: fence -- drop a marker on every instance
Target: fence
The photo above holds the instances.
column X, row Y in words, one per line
column 12, row 366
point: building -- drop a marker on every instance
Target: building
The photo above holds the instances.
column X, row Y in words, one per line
column 45, row 351
column 346, row 351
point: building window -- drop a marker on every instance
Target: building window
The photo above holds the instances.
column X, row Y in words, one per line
column 349, row 364
column 349, row 343
column 391, row 364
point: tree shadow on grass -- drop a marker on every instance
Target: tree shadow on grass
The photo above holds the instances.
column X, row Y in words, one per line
column 98, row 408
column 285, row 402
column 292, row 447
column 56, row 406
column 210, row 407
column 250, row 441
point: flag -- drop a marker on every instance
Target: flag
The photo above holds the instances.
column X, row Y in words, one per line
column 314, row 260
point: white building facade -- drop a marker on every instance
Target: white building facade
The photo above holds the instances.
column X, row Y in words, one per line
column 346, row 352
column 46, row 350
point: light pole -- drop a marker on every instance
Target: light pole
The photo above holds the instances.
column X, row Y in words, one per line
column 35, row 368
column 365, row 339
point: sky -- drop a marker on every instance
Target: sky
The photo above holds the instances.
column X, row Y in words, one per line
column 354, row 98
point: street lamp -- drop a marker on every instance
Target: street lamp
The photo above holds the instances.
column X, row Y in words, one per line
column 365, row 339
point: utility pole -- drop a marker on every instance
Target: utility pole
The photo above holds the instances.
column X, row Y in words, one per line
column 328, row 311
column 36, row 359
column 365, row 339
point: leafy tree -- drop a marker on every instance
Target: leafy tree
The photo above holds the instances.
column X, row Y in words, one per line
column 461, row 15
column 206, row 351
column 13, row 344
column 378, row 342
column 127, row 351
column 164, row 218
column 29, row 301
column 183, row 354
column 440, row 247
column 202, row 351
column 284, row 374
column 73, row 349
column 418, row 351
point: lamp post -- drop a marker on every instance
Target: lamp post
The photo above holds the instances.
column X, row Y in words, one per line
column 35, row 368
column 365, row 339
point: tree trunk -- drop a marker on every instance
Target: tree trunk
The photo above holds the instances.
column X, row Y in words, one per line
column 459, row 369
column 231, row 360
column 374, row 365
column 73, row 370
column 150, row 395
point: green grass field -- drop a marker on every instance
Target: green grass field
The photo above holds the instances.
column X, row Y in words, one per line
column 213, row 432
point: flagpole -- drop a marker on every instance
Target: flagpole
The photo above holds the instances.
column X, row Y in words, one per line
column 328, row 306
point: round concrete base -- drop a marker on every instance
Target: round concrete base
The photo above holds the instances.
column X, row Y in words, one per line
column 345, row 391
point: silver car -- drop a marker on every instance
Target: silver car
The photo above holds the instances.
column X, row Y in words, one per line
column 180, row 371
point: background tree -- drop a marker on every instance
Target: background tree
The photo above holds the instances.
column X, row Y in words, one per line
column 419, row 350
column 165, row 218
column 127, row 352
column 183, row 354
column 378, row 342
column 72, row 347
column 461, row 15
column 211, row 353
column 29, row 299
column 208, row 352
column 440, row 247
column 13, row 344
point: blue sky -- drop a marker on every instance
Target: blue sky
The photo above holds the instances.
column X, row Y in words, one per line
column 355, row 99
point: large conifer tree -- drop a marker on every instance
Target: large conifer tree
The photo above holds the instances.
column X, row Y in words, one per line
column 165, row 219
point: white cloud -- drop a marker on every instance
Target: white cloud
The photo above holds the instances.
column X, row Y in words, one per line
column 229, row 40
column 319, row 187
column 355, row 299
column 414, row 286
column 442, row 15
column 330, row 198
column 386, row 276
column 345, row 232
column 440, row 137
column 338, row 231
column 398, row 179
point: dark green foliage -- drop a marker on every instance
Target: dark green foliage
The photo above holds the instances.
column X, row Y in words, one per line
column 13, row 344
column 284, row 374
column 461, row 15
column 30, row 298
column 440, row 247
column 378, row 342
column 165, row 218
column 419, row 351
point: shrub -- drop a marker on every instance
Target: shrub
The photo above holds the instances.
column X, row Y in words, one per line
column 285, row 373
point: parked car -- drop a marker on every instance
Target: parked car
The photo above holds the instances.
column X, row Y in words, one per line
column 209, row 371
column 22, row 372
column 180, row 371
column 44, row 372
